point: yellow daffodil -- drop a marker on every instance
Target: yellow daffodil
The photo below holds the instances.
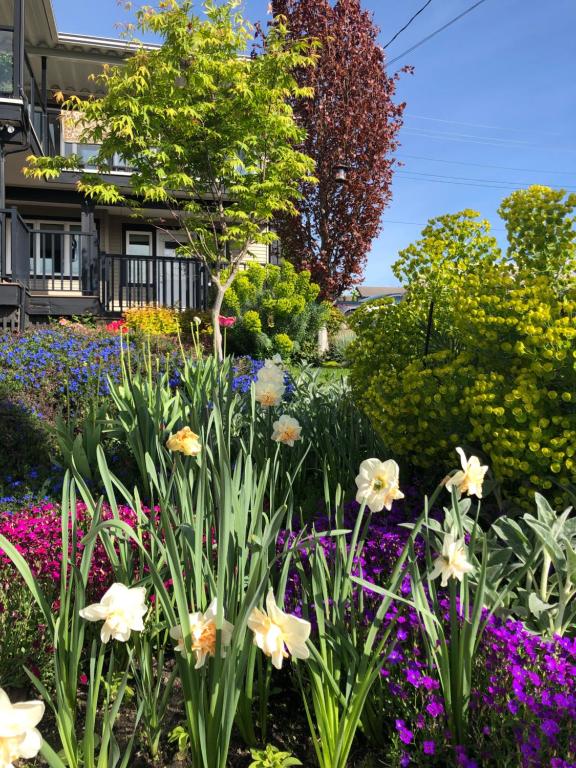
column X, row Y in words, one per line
column 452, row 563
column 19, row 737
column 470, row 478
column 184, row 441
column 377, row 484
column 278, row 634
column 203, row 634
column 121, row 609
column 286, row 430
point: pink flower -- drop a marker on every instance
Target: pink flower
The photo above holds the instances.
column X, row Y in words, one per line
column 226, row 322
column 117, row 326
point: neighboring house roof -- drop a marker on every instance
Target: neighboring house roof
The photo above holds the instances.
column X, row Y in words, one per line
column 371, row 292
column 351, row 301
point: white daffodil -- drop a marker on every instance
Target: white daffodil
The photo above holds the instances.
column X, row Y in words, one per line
column 121, row 609
column 452, row 563
column 286, row 430
column 203, row 634
column 268, row 393
column 277, row 631
column 270, row 372
column 184, row 441
column 470, row 478
column 377, row 484
column 19, row 737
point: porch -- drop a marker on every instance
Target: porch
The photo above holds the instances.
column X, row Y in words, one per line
column 59, row 269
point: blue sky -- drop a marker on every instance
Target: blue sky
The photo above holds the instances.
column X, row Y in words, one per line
column 491, row 106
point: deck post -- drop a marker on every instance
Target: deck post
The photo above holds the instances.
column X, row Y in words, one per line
column 88, row 249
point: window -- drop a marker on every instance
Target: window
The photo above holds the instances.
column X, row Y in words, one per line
column 55, row 249
column 140, row 271
column 6, row 63
column 87, row 152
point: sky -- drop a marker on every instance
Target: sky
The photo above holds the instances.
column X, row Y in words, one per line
column 491, row 106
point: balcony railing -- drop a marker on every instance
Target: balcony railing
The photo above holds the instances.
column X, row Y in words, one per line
column 168, row 281
column 14, row 247
column 67, row 261
column 45, row 260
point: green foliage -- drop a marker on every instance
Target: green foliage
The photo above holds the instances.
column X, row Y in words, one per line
column 544, row 546
column 283, row 344
column 24, row 640
column 541, row 233
column 346, row 662
column 272, row 757
column 479, row 353
column 275, row 301
column 153, row 321
column 251, row 321
column 205, row 130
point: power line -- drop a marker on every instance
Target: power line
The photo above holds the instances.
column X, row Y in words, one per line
column 487, row 165
column 436, row 32
column 405, row 27
column 473, row 178
column 489, row 141
column 504, row 186
column 411, row 116
column 424, row 224
column 437, row 133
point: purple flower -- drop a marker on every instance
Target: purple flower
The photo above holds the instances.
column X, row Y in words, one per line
column 435, row 708
column 550, row 728
column 429, row 747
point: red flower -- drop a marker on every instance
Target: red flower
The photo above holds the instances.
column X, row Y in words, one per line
column 226, row 322
column 117, row 326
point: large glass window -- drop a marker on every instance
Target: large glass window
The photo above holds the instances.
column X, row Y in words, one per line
column 6, row 63
column 87, row 152
column 55, row 249
column 140, row 270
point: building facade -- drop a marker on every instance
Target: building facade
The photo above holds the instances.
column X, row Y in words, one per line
column 59, row 253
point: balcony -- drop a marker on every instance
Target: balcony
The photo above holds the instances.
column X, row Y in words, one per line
column 59, row 269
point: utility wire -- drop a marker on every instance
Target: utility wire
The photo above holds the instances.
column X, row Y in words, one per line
column 470, row 178
column 437, row 133
column 407, row 24
column 487, row 165
column 504, row 185
column 411, row 116
column 436, row 32
column 424, row 224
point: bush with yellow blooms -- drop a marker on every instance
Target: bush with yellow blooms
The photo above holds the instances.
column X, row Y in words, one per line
column 482, row 352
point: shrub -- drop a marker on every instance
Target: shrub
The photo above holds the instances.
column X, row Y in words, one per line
column 271, row 302
column 494, row 370
column 154, row 321
column 283, row 344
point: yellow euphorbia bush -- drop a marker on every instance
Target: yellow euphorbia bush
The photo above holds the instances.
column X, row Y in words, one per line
column 153, row 321
column 505, row 385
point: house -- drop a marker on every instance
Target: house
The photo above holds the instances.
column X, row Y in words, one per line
column 59, row 253
column 354, row 299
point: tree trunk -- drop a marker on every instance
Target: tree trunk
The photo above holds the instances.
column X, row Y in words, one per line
column 216, row 311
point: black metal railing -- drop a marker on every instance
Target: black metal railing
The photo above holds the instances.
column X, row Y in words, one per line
column 167, row 281
column 63, row 260
column 14, row 247
column 47, row 259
